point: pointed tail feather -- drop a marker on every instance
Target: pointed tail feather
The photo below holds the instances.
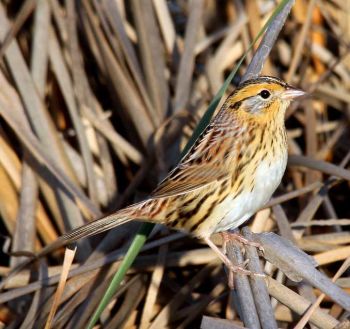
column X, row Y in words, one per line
column 95, row 227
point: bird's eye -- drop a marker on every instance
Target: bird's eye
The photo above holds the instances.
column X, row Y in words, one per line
column 265, row 94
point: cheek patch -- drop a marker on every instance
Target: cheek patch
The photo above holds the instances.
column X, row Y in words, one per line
column 254, row 105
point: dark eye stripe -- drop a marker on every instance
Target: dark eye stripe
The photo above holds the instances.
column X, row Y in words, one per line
column 236, row 105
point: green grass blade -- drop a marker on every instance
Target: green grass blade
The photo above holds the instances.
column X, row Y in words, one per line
column 129, row 258
column 146, row 228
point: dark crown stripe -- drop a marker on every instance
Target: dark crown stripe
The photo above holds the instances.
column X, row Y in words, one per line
column 261, row 79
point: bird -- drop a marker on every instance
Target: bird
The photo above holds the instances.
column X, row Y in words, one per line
column 229, row 173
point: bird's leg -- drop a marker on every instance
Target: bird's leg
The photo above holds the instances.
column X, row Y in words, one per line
column 227, row 236
column 232, row 268
column 225, row 239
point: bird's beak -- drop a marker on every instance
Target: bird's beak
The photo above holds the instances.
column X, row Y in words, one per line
column 292, row 93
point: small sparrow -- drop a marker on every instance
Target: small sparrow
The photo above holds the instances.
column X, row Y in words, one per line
column 229, row 173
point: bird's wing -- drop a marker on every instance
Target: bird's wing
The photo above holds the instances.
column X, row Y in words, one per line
column 189, row 179
column 202, row 165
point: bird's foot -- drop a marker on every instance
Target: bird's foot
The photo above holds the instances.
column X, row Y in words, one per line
column 239, row 269
column 229, row 236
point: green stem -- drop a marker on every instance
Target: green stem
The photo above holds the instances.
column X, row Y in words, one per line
column 133, row 251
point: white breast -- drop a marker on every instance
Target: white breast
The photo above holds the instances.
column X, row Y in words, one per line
column 237, row 210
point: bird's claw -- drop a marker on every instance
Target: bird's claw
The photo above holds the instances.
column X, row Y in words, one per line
column 241, row 269
column 227, row 236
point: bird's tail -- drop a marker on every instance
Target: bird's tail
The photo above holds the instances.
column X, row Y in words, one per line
column 95, row 227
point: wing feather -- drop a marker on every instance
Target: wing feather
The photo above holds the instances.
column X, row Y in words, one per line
column 196, row 170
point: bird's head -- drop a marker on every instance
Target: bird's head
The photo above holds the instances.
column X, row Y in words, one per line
column 263, row 98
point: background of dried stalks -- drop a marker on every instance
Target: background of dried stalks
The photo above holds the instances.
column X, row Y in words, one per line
column 97, row 98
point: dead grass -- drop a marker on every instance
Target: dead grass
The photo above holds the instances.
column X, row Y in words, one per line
column 97, row 98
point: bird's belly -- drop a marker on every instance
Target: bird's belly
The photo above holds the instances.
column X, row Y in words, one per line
column 238, row 209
